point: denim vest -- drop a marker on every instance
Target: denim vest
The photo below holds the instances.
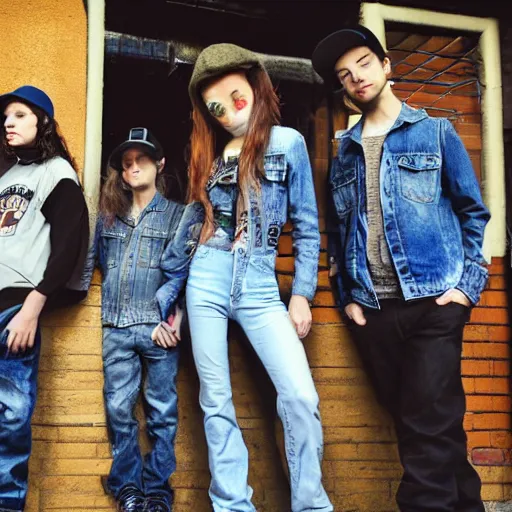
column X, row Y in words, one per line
column 433, row 214
column 144, row 265
column 287, row 191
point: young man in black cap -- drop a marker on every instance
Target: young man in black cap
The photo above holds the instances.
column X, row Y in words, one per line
column 406, row 257
column 143, row 244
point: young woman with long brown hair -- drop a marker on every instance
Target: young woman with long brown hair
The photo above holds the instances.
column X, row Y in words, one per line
column 251, row 176
column 44, row 232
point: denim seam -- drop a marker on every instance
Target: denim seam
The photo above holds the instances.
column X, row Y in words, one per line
column 290, row 447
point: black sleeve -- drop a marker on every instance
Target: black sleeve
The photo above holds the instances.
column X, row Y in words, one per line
column 66, row 212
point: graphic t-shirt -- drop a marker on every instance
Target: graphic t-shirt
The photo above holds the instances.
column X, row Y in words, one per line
column 231, row 227
column 25, row 244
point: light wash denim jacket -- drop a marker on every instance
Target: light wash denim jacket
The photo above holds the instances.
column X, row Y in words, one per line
column 287, row 191
column 144, row 265
column 433, row 213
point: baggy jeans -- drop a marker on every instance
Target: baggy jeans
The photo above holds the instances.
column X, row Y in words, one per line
column 18, row 390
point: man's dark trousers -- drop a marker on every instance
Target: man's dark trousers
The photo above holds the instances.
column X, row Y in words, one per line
column 412, row 353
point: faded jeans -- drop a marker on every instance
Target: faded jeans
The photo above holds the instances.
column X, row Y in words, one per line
column 214, row 295
column 18, row 390
column 126, row 351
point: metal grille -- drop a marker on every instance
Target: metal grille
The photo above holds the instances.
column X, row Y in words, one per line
column 438, row 73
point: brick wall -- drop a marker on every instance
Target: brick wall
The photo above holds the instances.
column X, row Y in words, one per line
column 486, row 372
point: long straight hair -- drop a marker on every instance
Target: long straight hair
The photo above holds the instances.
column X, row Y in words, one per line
column 207, row 138
column 117, row 196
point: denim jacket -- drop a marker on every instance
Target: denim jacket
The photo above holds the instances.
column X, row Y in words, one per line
column 144, row 265
column 287, row 191
column 433, row 214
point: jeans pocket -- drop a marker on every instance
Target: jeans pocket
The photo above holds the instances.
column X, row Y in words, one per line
column 5, row 317
column 201, row 252
column 3, row 343
column 265, row 264
column 26, row 355
column 457, row 311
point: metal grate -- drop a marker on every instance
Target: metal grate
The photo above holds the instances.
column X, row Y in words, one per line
column 438, row 73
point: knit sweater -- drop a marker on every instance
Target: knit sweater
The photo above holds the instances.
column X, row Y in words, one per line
column 382, row 271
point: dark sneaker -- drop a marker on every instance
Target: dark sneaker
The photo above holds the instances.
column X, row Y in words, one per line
column 130, row 499
column 157, row 503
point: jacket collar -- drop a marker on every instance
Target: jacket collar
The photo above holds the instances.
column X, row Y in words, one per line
column 407, row 115
column 157, row 204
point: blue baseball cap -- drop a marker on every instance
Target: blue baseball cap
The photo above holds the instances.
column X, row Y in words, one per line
column 30, row 94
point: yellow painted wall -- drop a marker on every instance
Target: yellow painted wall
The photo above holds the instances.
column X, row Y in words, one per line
column 44, row 43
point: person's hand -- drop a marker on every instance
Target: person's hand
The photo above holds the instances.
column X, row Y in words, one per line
column 300, row 315
column 175, row 320
column 453, row 295
column 23, row 326
column 355, row 312
column 164, row 335
column 167, row 334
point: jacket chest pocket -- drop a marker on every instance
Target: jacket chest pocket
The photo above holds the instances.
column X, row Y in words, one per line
column 419, row 177
column 343, row 189
column 275, row 183
column 111, row 242
column 152, row 245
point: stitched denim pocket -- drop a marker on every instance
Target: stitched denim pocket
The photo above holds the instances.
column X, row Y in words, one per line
column 343, row 187
column 265, row 264
column 111, row 241
column 419, row 176
column 201, row 252
column 275, row 177
column 152, row 244
column 27, row 354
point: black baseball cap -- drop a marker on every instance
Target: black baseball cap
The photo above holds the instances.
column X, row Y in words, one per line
column 331, row 48
column 140, row 138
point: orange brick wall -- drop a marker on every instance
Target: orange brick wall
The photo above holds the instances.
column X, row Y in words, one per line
column 487, row 379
